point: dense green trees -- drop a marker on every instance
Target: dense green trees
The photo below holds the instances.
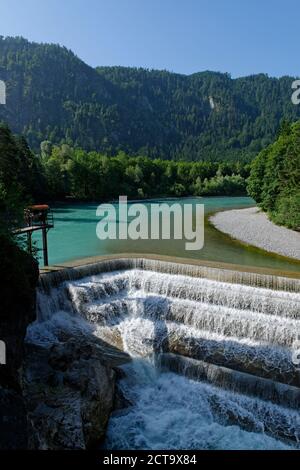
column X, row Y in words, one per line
column 274, row 181
column 21, row 176
column 94, row 176
column 53, row 95
column 63, row 171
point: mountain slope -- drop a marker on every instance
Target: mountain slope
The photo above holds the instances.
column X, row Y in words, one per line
column 52, row 94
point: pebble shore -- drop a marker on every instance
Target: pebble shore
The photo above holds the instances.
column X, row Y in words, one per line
column 253, row 227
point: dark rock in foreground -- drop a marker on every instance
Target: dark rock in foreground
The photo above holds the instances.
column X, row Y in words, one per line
column 18, row 279
column 70, row 393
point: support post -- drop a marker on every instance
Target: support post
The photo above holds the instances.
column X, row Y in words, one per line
column 45, row 246
column 29, row 242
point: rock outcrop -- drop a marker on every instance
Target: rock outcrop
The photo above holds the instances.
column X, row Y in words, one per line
column 69, row 391
column 18, row 279
column 50, row 398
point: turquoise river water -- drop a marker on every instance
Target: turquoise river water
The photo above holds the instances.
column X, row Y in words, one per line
column 74, row 237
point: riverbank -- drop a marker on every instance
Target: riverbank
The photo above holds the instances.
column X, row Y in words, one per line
column 253, row 227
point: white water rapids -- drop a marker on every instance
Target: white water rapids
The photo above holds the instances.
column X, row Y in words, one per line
column 212, row 362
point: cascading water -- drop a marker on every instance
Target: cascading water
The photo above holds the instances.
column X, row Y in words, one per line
column 212, row 360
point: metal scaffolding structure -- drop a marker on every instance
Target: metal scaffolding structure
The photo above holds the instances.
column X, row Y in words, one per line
column 37, row 217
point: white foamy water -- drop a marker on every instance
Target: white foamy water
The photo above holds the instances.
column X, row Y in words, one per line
column 173, row 412
column 248, row 330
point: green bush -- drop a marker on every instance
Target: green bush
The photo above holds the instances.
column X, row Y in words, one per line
column 274, row 180
column 288, row 211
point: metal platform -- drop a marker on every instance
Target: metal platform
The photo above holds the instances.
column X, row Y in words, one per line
column 33, row 228
column 38, row 217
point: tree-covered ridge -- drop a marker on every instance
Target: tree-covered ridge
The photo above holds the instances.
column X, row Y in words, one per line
column 53, row 95
column 274, row 181
column 84, row 175
column 62, row 171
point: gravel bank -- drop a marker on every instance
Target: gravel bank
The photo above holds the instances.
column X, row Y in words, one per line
column 253, row 227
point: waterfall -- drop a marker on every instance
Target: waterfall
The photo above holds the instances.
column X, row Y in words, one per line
column 212, row 345
column 199, row 271
column 231, row 379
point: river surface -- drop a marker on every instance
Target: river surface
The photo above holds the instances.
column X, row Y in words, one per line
column 74, row 237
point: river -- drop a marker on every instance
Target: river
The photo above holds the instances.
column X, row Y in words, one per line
column 74, row 237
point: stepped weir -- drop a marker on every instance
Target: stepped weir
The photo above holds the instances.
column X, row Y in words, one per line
column 212, row 349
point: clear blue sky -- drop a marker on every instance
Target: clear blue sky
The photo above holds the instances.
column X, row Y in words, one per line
column 236, row 36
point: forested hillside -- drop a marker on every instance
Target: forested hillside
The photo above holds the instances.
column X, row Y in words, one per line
column 53, row 95
column 63, row 171
column 274, row 181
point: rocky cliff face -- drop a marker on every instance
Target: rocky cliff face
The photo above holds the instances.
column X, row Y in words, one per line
column 18, row 279
column 70, row 392
column 57, row 397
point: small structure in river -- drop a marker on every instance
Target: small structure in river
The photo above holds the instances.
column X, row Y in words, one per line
column 37, row 217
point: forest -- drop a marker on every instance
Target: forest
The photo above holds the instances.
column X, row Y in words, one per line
column 86, row 133
column 58, row 172
column 53, row 95
column 274, row 180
